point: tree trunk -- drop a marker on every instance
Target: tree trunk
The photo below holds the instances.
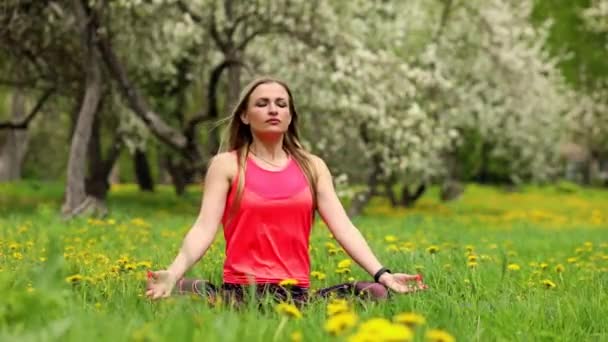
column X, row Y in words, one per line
column 388, row 185
column 179, row 178
column 452, row 187
column 234, row 81
column 408, row 199
column 142, row 171
column 100, row 169
column 76, row 201
column 13, row 151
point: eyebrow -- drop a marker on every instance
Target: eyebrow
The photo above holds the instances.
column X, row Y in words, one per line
column 267, row 99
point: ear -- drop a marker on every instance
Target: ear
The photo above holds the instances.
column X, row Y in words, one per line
column 244, row 118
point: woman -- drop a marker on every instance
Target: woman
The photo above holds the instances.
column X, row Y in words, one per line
column 264, row 191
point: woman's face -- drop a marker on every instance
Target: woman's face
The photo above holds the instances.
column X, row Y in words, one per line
column 268, row 110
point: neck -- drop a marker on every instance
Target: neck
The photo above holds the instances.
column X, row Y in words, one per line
column 268, row 148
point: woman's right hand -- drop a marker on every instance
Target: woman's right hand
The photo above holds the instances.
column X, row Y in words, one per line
column 160, row 284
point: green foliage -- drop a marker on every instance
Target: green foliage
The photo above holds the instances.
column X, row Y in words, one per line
column 586, row 61
column 531, row 228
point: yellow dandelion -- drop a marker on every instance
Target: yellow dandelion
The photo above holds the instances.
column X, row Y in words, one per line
column 472, row 258
column 288, row 310
column 74, row 279
column 296, row 336
column 390, row 238
column 339, row 323
column 337, row 306
column 472, row 264
column 572, row 260
column 144, row 264
column 436, row 335
column 513, row 267
column 344, row 263
column 288, row 282
column 330, row 245
column 410, row 319
column 343, row 270
column 380, row 329
column 544, row 266
column 130, row 267
column 469, row 248
column 548, row 284
column 318, row 275
column 432, row 249
column 559, row 268
column 392, row 248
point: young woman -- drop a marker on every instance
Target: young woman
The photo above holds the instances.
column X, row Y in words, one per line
column 264, row 191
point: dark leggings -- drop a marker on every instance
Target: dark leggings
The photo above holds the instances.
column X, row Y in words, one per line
column 237, row 294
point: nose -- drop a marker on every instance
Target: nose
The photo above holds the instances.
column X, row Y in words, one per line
column 272, row 109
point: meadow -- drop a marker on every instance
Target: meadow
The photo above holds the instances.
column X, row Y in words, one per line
column 526, row 265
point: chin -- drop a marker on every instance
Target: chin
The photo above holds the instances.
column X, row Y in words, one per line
column 271, row 131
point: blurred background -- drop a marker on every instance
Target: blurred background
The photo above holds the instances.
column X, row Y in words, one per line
column 396, row 96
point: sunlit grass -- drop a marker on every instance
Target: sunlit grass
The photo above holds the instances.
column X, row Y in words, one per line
column 529, row 265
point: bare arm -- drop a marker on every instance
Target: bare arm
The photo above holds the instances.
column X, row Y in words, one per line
column 338, row 222
column 350, row 237
column 201, row 235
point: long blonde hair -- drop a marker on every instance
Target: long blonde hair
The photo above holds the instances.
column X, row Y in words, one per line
column 240, row 138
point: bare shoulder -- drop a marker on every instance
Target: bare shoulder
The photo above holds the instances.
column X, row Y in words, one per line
column 224, row 163
column 318, row 162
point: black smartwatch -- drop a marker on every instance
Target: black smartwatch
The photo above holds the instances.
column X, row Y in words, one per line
column 380, row 273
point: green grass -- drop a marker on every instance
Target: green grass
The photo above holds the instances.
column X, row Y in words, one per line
column 536, row 226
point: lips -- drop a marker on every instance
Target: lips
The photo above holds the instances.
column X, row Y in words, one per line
column 273, row 121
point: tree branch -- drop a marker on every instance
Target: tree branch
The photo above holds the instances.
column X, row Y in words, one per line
column 159, row 128
column 211, row 111
column 24, row 124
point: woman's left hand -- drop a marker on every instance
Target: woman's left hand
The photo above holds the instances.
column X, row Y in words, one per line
column 402, row 283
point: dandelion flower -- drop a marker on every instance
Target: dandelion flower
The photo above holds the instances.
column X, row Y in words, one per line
column 318, row 275
column 432, row 249
column 410, row 319
column 548, row 284
column 392, row 248
column 288, row 282
column 390, row 238
column 559, row 268
column 436, row 335
column 296, row 336
column 288, row 310
column 344, row 263
column 380, row 329
column 337, row 324
column 337, row 306
column 74, row 279
column 513, row 267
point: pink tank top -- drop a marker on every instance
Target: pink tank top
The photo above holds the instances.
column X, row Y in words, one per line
column 267, row 237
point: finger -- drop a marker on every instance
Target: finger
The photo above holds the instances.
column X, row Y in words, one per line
column 410, row 277
column 397, row 287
